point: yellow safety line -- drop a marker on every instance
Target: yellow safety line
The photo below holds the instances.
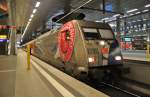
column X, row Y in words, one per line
column 148, row 52
column 28, row 57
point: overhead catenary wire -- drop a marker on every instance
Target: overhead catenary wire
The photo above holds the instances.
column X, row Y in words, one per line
column 68, row 13
column 74, row 10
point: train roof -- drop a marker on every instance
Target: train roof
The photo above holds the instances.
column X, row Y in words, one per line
column 91, row 24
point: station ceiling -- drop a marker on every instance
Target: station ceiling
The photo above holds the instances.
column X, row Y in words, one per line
column 23, row 10
column 3, row 11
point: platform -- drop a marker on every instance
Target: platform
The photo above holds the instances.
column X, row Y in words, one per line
column 139, row 64
column 42, row 80
column 137, row 55
column 7, row 76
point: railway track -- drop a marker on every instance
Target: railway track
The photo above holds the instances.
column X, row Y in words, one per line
column 115, row 90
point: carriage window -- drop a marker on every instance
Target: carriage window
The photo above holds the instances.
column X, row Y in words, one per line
column 106, row 34
column 91, row 34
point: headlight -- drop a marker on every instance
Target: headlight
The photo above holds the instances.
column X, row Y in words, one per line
column 118, row 58
column 102, row 42
column 91, row 59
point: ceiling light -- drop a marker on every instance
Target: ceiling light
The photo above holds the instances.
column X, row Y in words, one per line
column 144, row 19
column 116, row 15
column 112, row 25
column 138, row 12
column 104, row 19
column 30, row 20
column 132, row 10
column 34, row 10
column 125, row 15
column 133, row 21
column 121, row 17
column 32, row 15
column 37, row 4
column 131, row 14
column 98, row 21
column 145, row 10
column 147, row 5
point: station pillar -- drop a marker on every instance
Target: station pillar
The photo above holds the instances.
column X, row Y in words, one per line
column 118, row 8
column 125, row 32
column 28, row 57
column 118, row 28
column 12, row 16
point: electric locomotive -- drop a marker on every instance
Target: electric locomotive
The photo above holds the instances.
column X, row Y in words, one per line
column 79, row 47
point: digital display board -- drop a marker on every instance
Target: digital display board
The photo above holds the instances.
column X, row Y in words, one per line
column 127, row 39
column 3, row 40
column 3, row 36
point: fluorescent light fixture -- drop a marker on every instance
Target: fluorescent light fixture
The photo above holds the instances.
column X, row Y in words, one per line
column 132, row 10
column 125, row 15
column 144, row 19
column 98, row 21
column 32, row 15
column 133, row 21
column 112, row 25
column 34, row 10
column 131, row 14
column 147, row 5
column 116, row 15
column 138, row 12
column 145, row 10
column 30, row 20
column 37, row 4
column 18, row 42
column 139, row 20
column 25, row 29
column 104, row 19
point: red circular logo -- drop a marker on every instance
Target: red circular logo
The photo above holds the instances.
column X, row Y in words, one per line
column 66, row 38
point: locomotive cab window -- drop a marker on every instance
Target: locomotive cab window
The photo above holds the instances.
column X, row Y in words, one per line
column 91, row 34
column 106, row 34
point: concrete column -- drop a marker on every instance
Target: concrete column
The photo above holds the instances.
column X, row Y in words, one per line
column 12, row 42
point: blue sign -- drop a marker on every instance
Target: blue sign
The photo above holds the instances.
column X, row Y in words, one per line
column 108, row 7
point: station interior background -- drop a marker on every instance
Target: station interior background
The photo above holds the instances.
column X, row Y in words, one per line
column 23, row 20
column 131, row 28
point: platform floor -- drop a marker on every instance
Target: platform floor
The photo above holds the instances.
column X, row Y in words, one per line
column 17, row 81
column 139, row 55
column 7, row 76
column 28, row 82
